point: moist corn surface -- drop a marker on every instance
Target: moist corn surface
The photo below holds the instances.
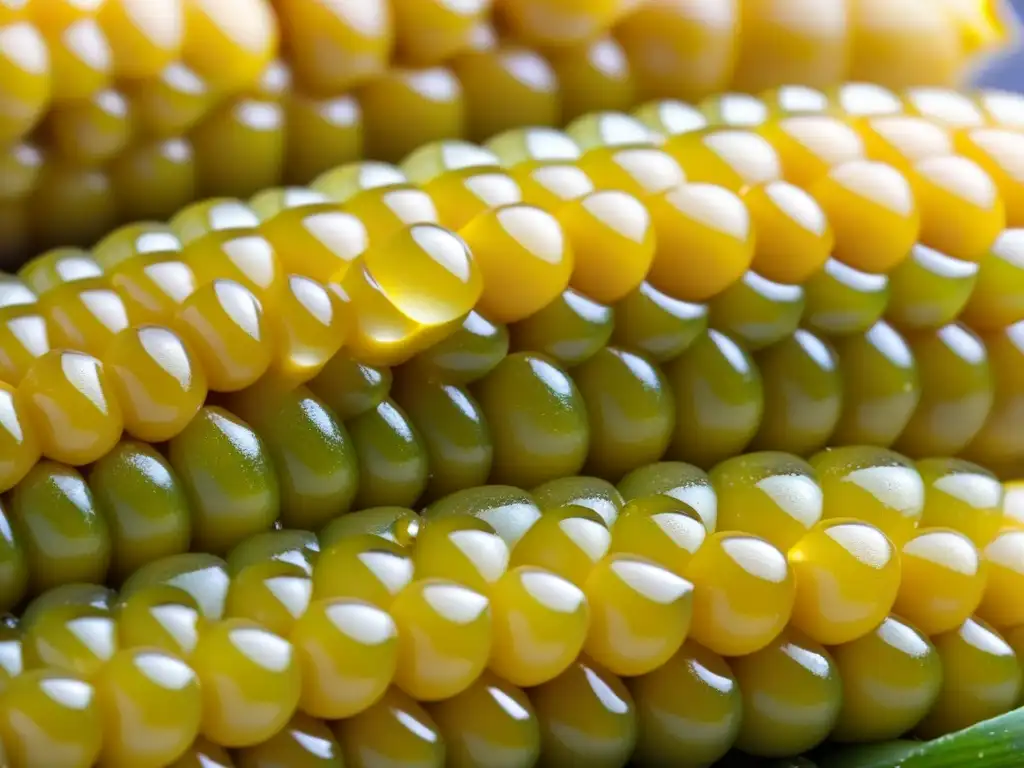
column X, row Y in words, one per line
column 121, row 110
column 392, row 266
column 460, row 633
column 464, row 412
column 398, row 463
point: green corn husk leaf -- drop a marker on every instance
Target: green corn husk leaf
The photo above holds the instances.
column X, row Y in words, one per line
column 995, row 743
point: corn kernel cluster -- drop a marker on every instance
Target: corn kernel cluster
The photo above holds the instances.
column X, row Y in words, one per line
column 605, row 365
column 116, row 110
column 680, row 613
column 804, row 270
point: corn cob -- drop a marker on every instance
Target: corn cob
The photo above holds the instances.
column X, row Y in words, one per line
column 119, row 110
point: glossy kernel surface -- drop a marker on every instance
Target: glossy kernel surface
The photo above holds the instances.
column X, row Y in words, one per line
column 304, row 742
column 995, row 301
column 272, row 593
column 537, row 419
column 743, row 593
column 956, row 378
column 460, row 198
column 803, row 394
column 962, row 496
column 639, row 170
column 757, row 312
column 65, row 538
column 768, row 494
column 48, row 713
column 454, row 433
column 434, row 95
column 903, row 140
column 732, row 157
column 151, row 706
column 688, row 709
column 70, row 399
column 26, row 69
column 350, row 387
column 661, row 529
column 704, row 219
column 809, row 146
column 570, row 330
column 540, row 624
column 792, row 696
column 428, row 273
column 312, row 452
column 462, row 549
column 962, row 213
column 83, row 315
column 250, row 682
column 942, row 580
column 874, row 485
column 997, row 152
column 363, row 567
column 510, row 511
column 568, row 541
column 196, row 581
column 490, row 723
column 873, row 214
column 394, row 730
column 524, row 258
column 593, row 75
column 592, row 493
column 630, row 409
column 226, row 472
column 62, row 634
column 224, row 325
column 599, row 730
column 392, row 459
column 13, row 566
column 794, row 239
column 468, row 354
column 19, row 444
column 640, row 614
column 492, row 80
column 444, row 632
column 657, row 325
column 842, row 300
column 142, row 500
column 847, row 575
column 158, row 382
column 311, row 235
column 719, row 400
column 613, row 241
column 347, row 652
column 894, row 656
column 929, row 289
column 677, row 480
column 881, row 386
column 981, row 678
column 1004, row 573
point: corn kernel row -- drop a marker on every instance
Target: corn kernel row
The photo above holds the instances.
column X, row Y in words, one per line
column 356, row 438
column 84, row 314
column 882, row 374
column 500, row 579
column 45, row 274
column 627, row 159
column 61, row 54
column 97, row 175
column 653, row 175
column 365, row 442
